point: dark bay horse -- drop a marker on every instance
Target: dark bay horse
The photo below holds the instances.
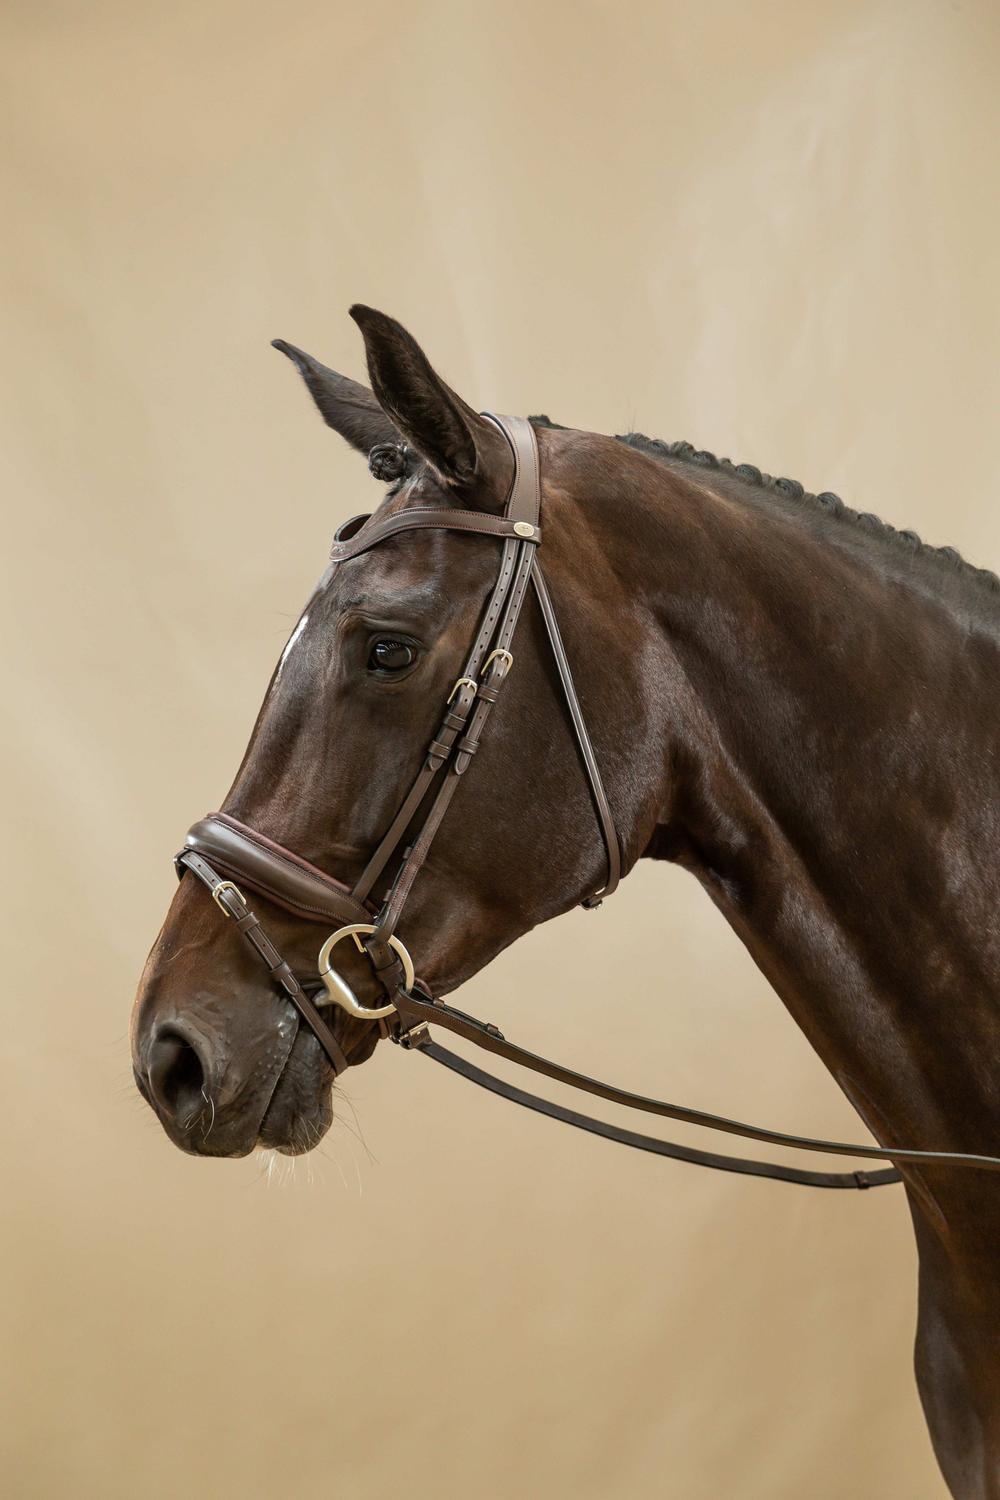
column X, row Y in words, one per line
column 795, row 702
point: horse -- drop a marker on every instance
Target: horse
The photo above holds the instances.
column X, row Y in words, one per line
column 792, row 701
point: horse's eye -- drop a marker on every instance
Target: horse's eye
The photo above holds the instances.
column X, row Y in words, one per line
column 388, row 655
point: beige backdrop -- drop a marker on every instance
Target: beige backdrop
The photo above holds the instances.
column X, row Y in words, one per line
column 771, row 229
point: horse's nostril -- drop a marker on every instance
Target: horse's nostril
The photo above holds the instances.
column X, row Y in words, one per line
column 176, row 1076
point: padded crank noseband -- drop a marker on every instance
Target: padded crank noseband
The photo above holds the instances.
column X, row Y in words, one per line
column 220, row 843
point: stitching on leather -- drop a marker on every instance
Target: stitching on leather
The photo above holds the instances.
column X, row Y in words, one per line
column 309, row 872
column 504, row 637
column 462, row 521
column 282, row 897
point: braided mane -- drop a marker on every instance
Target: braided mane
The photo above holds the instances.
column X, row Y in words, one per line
column 826, row 501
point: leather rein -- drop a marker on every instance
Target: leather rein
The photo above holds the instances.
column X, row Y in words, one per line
column 219, row 848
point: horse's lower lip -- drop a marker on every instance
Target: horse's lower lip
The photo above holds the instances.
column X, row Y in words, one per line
column 299, row 1111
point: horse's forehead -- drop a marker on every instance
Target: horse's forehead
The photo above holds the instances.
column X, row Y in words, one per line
column 419, row 569
column 425, row 571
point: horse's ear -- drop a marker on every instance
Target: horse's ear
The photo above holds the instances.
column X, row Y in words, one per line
column 466, row 450
column 346, row 406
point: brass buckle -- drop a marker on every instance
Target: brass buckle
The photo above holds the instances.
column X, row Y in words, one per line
column 227, row 885
column 460, row 684
column 337, row 987
column 417, row 1036
column 497, row 655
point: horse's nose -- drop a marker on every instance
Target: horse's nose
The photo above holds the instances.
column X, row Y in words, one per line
column 178, row 1073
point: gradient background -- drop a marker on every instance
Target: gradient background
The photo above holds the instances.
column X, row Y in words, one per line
column 771, row 229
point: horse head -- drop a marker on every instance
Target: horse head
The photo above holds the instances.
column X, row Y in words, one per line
column 357, row 696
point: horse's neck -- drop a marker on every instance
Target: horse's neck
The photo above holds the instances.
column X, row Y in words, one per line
column 832, row 783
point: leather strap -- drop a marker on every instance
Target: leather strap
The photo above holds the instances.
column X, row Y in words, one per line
column 231, row 901
column 780, row 1173
column 418, row 1012
column 283, row 877
column 601, row 803
column 478, row 522
column 525, row 498
column 456, row 714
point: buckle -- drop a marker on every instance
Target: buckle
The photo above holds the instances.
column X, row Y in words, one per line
column 227, row 885
column 460, row 684
column 498, row 654
column 415, row 1037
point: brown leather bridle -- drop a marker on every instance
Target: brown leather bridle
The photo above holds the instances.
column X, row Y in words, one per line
column 220, row 843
